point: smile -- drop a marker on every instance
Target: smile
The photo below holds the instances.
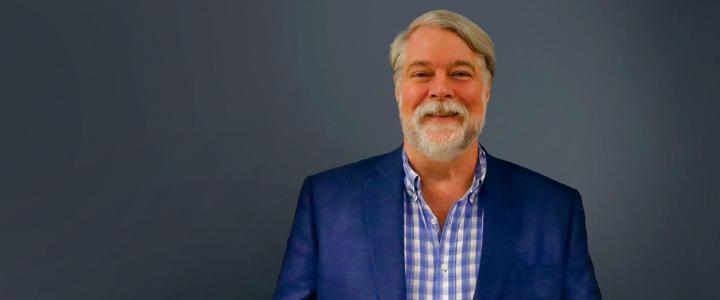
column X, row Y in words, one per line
column 443, row 115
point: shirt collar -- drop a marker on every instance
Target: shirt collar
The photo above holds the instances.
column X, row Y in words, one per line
column 412, row 179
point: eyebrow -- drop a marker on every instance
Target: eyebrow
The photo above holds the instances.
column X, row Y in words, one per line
column 464, row 63
column 457, row 63
column 418, row 63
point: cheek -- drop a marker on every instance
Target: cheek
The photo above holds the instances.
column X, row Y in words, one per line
column 474, row 100
column 412, row 96
column 478, row 107
column 407, row 110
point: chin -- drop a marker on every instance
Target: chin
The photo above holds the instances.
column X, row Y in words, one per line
column 440, row 152
column 441, row 145
column 441, row 142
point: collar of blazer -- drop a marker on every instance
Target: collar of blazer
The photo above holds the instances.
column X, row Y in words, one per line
column 384, row 225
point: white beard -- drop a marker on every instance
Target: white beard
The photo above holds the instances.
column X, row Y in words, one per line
column 441, row 142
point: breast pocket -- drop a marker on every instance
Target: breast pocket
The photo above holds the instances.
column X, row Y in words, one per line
column 542, row 281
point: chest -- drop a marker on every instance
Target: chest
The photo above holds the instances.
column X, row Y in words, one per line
column 435, row 257
column 441, row 199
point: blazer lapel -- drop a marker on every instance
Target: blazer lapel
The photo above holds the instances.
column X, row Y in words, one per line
column 500, row 230
column 384, row 223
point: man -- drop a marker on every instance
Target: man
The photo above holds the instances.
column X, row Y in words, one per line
column 438, row 218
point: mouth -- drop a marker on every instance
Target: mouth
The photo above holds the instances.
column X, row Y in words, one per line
column 443, row 115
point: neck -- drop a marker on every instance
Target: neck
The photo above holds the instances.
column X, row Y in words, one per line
column 460, row 168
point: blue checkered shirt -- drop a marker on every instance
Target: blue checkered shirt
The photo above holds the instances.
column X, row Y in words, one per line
column 442, row 264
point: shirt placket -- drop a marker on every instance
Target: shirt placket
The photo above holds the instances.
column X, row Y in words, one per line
column 441, row 243
column 444, row 263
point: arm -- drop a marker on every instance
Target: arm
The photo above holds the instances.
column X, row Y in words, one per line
column 580, row 282
column 297, row 276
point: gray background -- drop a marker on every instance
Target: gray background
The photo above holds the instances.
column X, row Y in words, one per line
column 155, row 149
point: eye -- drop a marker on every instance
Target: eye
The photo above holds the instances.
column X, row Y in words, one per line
column 420, row 75
column 461, row 74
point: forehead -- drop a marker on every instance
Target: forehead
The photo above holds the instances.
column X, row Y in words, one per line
column 437, row 46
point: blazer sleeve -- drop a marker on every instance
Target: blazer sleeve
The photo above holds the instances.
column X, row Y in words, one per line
column 580, row 282
column 298, row 273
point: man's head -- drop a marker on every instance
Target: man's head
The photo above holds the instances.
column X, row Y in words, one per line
column 442, row 67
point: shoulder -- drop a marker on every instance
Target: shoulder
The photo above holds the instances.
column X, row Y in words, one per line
column 529, row 186
column 530, row 178
column 351, row 175
column 335, row 193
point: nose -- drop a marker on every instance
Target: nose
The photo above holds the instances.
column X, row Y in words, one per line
column 439, row 88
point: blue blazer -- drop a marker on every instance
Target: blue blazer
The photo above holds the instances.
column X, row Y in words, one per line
column 346, row 241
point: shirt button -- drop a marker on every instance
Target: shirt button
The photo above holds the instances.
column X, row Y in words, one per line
column 444, row 267
column 433, row 221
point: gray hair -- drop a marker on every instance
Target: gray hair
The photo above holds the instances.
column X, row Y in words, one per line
column 476, row 38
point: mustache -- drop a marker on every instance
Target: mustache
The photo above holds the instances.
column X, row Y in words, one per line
column 442, row 108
